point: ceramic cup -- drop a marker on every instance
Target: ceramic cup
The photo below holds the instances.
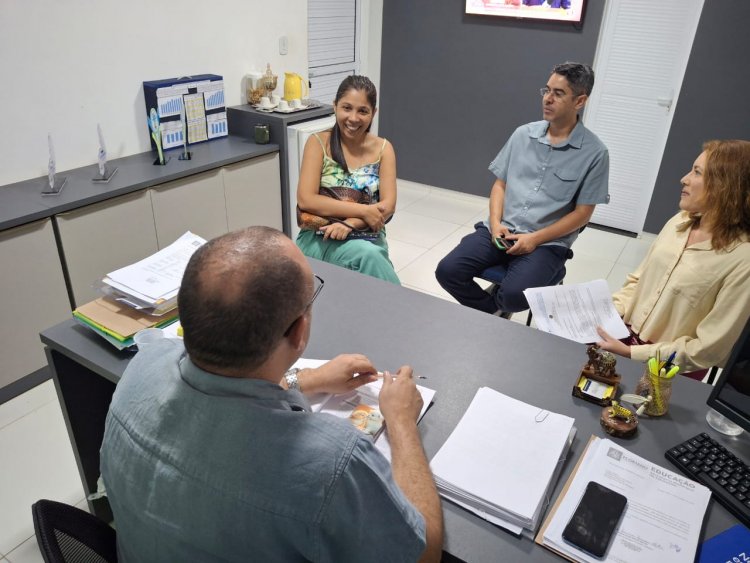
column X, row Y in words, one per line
column 275, row 99
column 296, row 103
column 283, row 105
column 147, row 336
column 265, row 102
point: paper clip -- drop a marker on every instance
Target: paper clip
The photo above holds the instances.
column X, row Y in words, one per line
column 541, row 415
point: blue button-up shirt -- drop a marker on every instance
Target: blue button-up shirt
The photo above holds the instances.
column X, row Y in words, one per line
column 545, row 182
column 200, row 467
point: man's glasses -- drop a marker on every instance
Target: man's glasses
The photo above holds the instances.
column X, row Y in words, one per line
column 317, row 280
column 318, row 284
column 557, row 94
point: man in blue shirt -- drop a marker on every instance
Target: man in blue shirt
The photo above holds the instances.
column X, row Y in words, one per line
column 550, row 176
column 210, row 450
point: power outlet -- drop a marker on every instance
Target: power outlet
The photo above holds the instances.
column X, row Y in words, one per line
column 283, row 45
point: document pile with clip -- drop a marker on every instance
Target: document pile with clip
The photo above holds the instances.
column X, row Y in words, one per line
column 663, row 517
column 503, row 459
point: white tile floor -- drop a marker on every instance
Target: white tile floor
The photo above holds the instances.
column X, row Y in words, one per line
column 431, row 221
column 35, row 454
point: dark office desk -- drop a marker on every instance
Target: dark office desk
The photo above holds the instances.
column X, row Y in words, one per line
column 458, row 349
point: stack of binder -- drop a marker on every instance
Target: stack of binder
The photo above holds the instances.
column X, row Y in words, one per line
column 118, row 323
column 503, row 459
column 142, row 295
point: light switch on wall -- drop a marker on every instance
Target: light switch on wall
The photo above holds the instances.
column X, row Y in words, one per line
column 283, row 45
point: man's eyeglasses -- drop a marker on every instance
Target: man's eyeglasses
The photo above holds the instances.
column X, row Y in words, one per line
column 317, row 280
column 557, row 94
column 318, row 283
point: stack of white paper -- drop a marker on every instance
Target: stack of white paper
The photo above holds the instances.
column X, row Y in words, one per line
column 502, row 460
column 153, row 283
column 663, row 517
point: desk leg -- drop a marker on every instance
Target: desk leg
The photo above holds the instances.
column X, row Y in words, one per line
column 84, row 397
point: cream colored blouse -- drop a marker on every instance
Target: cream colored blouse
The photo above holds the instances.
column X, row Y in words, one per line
column 691, row 300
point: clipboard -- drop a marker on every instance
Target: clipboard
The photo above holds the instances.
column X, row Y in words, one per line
column 539, row 539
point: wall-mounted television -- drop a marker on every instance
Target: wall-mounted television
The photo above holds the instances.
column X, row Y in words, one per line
column 560, row 10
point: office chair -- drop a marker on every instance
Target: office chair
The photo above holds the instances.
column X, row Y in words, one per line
column 67, row 534
column 495, row 275
column 712, row 375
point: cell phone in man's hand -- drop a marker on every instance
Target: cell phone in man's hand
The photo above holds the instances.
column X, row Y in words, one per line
column 503, row 243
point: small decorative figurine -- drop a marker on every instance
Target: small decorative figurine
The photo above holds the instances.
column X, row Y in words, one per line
column 598, row 379
column 185, row 154
column 54, row 184
column 619, row 421
column 153, row 123
column 104, row 174
column 600, row 364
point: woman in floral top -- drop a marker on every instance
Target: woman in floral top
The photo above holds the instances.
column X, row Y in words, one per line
column 349, row 155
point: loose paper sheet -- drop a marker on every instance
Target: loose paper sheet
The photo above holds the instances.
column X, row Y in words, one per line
column 574, row 311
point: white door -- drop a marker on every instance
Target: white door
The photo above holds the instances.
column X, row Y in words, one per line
column 640, row 62
column 332, row 44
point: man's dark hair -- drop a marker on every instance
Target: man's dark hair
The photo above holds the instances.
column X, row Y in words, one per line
column 239, row 294
column 580, row 76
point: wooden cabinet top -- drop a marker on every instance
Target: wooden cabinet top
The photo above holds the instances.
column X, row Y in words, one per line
column 23, row 202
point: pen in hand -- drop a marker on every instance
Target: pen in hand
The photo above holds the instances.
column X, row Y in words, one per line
column 382, row 374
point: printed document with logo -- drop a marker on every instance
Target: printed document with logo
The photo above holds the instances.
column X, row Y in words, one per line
column 663, row 517
column 360, row 406
column 574, row 311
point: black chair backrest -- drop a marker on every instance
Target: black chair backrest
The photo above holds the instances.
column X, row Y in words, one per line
column 66, row 534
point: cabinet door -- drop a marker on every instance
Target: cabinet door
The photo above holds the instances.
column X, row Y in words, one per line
column 33, row 297
column 194, row 204
column 103, row 237
column 253, row 193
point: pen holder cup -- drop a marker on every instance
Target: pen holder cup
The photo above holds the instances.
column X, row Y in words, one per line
column 660, row 390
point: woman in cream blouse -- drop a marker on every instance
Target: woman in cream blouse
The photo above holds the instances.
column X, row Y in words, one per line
column 691, row 294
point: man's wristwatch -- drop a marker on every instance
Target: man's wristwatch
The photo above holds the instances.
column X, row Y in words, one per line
column 292, row 382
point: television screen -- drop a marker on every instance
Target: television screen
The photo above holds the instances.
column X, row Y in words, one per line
column 562, row 10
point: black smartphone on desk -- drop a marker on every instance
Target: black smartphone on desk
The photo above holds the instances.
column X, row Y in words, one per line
column 595, row 519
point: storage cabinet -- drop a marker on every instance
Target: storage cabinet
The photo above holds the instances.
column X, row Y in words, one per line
column 99, row 238
column 253, row 194
column 194, row 204
column 103, row 228
column 33, row 297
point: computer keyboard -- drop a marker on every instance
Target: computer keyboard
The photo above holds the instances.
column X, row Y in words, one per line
column 704, row 460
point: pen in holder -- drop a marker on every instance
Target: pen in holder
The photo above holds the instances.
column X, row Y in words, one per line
column 656, row 381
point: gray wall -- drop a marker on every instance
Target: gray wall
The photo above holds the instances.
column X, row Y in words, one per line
column 714, row 101
column 454, row 87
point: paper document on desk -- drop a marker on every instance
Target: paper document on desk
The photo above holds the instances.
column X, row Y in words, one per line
column 158, row 276
column 663, row 517
column 502, row 458
column 574, row 311
column 345, row 404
